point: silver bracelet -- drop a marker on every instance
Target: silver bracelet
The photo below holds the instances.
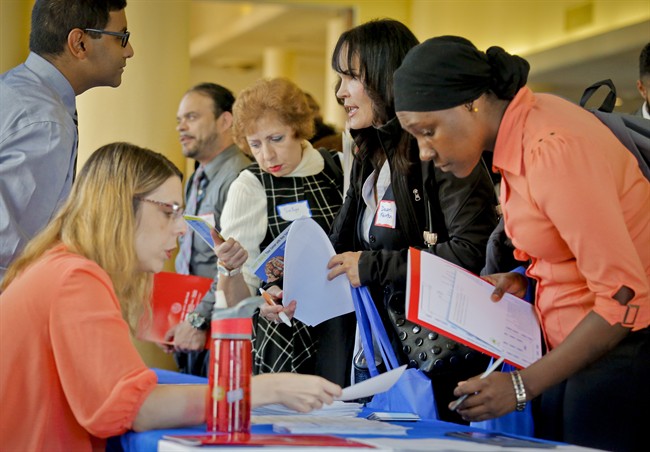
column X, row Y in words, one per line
column 520, row 390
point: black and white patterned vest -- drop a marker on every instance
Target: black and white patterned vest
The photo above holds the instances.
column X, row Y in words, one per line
column 323, row 192
column 277, row 347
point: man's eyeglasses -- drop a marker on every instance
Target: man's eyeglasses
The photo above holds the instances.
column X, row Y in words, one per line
column 173, row 210
column 124, row 36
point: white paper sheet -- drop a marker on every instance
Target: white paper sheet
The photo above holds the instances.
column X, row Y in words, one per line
column 372, row 386
column 307, row 252
column 337, row 426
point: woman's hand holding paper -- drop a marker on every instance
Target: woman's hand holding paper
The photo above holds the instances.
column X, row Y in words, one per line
column 302, row 393
column 514, row 283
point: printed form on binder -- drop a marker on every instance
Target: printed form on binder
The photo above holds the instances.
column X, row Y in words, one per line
column 456, row 303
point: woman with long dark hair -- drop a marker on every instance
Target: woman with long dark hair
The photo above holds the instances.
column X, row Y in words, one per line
column 420, row 206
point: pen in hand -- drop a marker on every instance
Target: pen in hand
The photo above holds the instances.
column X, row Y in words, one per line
column 489, row 370
column 270, row 302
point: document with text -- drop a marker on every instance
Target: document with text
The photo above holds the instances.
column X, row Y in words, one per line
column 456, row 303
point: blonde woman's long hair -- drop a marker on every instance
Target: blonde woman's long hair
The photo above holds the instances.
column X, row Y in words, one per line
column 98, row 221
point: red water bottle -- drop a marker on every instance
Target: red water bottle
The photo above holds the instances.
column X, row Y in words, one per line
column 228, row 408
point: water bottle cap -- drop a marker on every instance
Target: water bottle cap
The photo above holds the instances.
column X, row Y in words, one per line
column 233, row 326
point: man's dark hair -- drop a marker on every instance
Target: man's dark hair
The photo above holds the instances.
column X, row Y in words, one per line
column 221, row 97
column 644, row 62
column 52, row 21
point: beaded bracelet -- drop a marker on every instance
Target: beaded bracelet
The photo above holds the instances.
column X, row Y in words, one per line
column 520, row 390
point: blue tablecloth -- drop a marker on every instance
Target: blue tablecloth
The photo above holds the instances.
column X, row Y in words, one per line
column 148, row 441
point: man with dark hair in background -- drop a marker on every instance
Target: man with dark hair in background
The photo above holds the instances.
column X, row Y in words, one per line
column 643, row 84
column 204, row 121
column 74, row 45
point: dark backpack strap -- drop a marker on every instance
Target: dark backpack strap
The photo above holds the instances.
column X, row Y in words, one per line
column 633, row 132
column 435, row 217
column 610, row 100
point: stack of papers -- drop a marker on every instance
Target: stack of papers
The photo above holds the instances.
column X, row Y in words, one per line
column 336, row 426
column 336, row 409
column 393, row 416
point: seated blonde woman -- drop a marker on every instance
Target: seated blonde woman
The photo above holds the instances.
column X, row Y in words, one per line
column 73, row 377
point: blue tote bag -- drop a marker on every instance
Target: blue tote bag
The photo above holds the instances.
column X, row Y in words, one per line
column 413, row 392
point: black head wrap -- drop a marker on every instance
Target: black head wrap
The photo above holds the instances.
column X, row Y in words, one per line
column 448, row 71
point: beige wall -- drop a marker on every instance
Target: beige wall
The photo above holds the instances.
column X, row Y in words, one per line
column 14, row 32
column 143, row 109
column 366, row 10
column 524, row 26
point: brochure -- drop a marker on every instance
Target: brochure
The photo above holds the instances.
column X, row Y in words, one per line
column 202, row 228
column 269, row 265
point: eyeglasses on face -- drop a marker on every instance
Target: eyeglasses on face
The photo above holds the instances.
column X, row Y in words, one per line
column 173, row 210
column 124, row 36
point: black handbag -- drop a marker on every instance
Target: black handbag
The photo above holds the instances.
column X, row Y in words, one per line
column 431, row 352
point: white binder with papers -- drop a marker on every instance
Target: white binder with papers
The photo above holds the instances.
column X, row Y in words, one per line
column 456, row 303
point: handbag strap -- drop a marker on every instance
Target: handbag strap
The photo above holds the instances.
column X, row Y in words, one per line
column 380, row 334
column 370, row 325
column 364, row 332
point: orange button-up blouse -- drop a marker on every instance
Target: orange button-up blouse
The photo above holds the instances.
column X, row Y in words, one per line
column 69, row 373
column 576, row 204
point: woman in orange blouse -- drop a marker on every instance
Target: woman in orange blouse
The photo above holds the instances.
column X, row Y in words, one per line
column 576, row 205
column 69, row 374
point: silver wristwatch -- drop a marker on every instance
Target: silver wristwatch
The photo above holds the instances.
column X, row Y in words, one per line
column 197, row 321
column 226, row 272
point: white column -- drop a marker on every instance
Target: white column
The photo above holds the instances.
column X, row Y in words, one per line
column 332, row 112
column 277, row 62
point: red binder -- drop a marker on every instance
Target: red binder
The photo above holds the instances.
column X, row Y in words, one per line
column 253, row 439
column 174, row 296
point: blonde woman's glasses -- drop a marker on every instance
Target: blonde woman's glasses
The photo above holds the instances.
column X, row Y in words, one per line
column 173, row 210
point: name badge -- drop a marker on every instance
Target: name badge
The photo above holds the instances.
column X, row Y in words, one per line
column 294, row 210
column 386, row 214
